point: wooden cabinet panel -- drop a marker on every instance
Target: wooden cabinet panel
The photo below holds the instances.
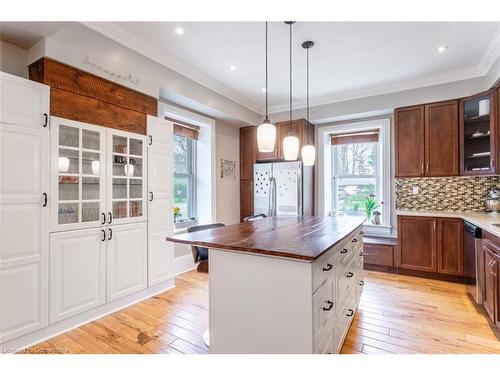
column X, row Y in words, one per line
column 248, row 148
column 380, row 255
column 450, row 246
column 490, row 291
column 246, row 198
column 417, row 243
column 409, row 141
column 441, row 139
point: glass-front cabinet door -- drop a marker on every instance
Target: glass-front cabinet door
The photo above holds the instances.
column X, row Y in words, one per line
column 478, row 134
column 126, row 177
column 78, row 172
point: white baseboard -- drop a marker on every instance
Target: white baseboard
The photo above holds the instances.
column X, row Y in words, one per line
column 76, row 321
column 184, row 263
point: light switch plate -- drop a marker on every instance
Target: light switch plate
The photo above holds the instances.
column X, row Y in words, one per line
column 414, row 190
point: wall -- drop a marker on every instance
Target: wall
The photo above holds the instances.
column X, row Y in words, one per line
column 444, row 193
column 227, row 139
column 13, row 59
column 75, row 44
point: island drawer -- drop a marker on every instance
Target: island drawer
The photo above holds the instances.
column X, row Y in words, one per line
column 324, row 266
column 346, row 279
column 349, row 246
column 324, row 305
column 343, row 320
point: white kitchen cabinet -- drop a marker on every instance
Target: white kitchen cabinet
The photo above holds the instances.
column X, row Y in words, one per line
column 78, row 175
column 160, row 211
column 24, row 187
column 126, row 177
column 77, row 272
column 23, row 102
column 126, row 259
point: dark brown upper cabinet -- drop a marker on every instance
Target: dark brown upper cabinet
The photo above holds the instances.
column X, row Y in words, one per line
column 409, row 140
column 441, row 139
column 478, row 134
column 248, row 151
column 426, row 138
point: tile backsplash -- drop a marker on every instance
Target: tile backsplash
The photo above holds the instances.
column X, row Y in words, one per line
column 444, row 193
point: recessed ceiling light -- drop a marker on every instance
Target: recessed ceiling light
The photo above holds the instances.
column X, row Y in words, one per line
column 232, row 68
column 441, row 49
column 263, row 89
column 179, row 30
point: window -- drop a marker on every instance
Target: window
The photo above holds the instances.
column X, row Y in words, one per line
column 356, row 172
column 184, row 179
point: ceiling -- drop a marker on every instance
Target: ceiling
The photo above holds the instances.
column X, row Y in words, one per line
column 349, row 59
column 25, row 34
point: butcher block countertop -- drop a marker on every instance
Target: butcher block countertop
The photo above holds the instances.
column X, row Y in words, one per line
column 296, row 237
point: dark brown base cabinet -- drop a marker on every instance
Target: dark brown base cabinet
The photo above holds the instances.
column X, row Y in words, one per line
column 430, row 244
column 491, row 292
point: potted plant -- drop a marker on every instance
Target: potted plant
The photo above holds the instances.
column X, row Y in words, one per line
column 371, row 205
column 177, row 213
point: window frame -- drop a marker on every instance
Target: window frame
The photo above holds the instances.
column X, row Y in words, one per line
column 190, row 175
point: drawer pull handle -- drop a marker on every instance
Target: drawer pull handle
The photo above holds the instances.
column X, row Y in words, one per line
column 328, row 267
column 361, row 283
column 110, row 237
column 361, row 233
column 354, row 240
column 103, row 216
column 349, row 274
column 330, row 306
column 343, row 251
column 350, row 313
column 362, row 253
column 110, row 217
column 103, row 238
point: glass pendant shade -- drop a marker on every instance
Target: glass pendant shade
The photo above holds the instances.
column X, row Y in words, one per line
column 291, row 147
column 308, row 155
column 266, row 136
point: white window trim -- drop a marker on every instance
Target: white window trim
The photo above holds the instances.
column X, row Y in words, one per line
column 205, row 166
column 191, row 177
column 324, row 175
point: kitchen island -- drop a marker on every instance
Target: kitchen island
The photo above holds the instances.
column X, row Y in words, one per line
column 285, row 284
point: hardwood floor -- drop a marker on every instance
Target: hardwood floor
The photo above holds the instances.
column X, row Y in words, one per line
column 397, row 314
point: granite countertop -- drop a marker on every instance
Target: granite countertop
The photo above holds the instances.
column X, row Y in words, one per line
column 296, row 237
column 483, row 220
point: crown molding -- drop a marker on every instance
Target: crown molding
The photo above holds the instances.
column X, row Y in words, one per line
column 458, row 75
column 153, row 53
column 491, row 55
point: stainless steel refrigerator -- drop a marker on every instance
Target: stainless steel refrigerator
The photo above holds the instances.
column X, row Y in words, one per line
column 283, row 188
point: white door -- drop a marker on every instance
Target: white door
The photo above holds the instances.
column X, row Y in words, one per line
column 77, row 272
column 126, row 177
column 24, row 187
column 160, row 214
column 23, row 102
column 78, row 175
column 126, row 259
column 288, row 188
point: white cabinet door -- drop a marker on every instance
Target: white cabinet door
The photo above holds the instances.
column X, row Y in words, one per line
column 23, row 102
column 78, row 170
column 126, row 259
column 77, row 272
column 23, row 307
column 126, row 177
column 160, row 214
column 24, row 187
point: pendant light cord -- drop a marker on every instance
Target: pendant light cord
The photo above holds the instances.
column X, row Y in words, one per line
column 291, row 77
column 307, row 83
column 267, row 119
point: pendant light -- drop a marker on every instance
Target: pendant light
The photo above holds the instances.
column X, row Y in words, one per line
column 308, row 151
column 266, row 132
column 290, row 142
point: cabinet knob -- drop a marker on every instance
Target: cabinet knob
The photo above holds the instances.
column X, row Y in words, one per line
column 328, row 267
column 330, row 306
